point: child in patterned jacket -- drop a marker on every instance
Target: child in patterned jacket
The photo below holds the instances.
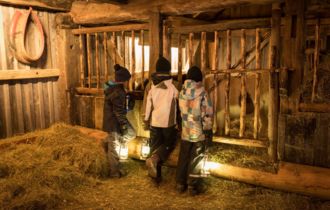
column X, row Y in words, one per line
column 197, row 114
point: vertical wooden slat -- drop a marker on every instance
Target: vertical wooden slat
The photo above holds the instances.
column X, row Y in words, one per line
column 5, row 86
column 105, row 46
column 179, row 61
column 89, row 57
column 165, row 41
column 154, row 40
column 142, row 57
column 81, row 59
column 97, row 60
column 316, row 59
column 215, row 67
column 203, row 51
column 227, row 83
column 191, row 49
column 273, row 81
column 122, row 45
column 257, row 88
column 243, row 85
column 132, row 81
column 114, row 41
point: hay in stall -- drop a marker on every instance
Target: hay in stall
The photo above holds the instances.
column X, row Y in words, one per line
column 42, row 174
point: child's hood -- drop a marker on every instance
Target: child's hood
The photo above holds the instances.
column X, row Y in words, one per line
column 192, row 90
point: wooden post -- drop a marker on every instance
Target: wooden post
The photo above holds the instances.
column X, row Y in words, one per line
column 142, row 57
column 154, row 41
column 82, row 63
column 273, row 81
column 132, row 81
column 89, row 61
column 203, row 51
column 105, row 49
column 113, row 52
column 227, row 84
column 191, row 49
column 316, row 59
column 122, row 45
column 215, row 79
column 179, row 61
column 97, row 60
column 243, row 86
column 166, row 42
column 257, row 88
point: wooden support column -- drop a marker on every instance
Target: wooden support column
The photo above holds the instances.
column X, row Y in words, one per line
column 180, row 61
column 97, row 60
column 215, row 79
column 89, row 54
column 142, row 57
column 105, row 50
column 203, row 52
column 227, row 84
column 191, row 49
column 243, row 85
column 273, row 81
column 316, row 59
column 257, row 88
column 155, row 40
column 166, row 42
column 81, row 59
column 132, row 67
column 122, row 45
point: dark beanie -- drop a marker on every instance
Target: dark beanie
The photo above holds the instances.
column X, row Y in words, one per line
column 194, row 73
column 163, row 65
column 121, row 73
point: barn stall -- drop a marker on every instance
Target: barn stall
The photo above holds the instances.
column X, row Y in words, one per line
column 266, row 68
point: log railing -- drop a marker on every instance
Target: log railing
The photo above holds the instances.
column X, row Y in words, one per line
column 102, row 47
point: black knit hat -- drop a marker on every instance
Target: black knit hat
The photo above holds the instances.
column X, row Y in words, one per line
column 121, row 73
column 194, row 73
column 163, row 65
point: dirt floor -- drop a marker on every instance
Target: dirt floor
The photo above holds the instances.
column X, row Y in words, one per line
column 61, row 168
column 137, row 191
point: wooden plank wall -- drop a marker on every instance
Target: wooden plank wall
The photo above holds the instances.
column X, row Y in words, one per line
column 30, row 104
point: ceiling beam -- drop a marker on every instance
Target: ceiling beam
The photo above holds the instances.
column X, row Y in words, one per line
column 34, row 3
column 96, row 13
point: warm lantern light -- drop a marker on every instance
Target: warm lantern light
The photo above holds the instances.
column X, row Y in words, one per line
column 122, row 150
column 145, row 149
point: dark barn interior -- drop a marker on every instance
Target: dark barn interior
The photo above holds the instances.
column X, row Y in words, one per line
column 266, row 67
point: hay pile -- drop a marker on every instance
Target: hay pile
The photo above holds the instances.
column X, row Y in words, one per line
column 42, row 174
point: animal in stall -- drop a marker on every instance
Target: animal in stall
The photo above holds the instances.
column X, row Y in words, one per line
column 235, row 110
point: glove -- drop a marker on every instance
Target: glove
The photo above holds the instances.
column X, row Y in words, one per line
column 208, row 137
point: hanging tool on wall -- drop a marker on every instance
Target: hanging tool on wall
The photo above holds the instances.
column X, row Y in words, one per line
column 17, row 36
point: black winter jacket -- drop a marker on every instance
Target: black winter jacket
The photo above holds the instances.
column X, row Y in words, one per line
column 114, row 112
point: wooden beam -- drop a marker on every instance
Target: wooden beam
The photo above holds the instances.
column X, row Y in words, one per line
column 257, row 87
column 180, row 61
column 243, row 85
column 227, row 83
column 316, row 60
column 97, row 66
column 273, row 82
column 241, row 141
column 105, row 56
column 94, row 13
column 126, row 27
column 215, row 59
column 313, row 107
column 89, row 62
column 132, row 67
column 191, row 56
column 250, row 23
column 33, row 3
column 238, row 71
column 154, row 41
column 28, row 74
column 142, row 57
column 87, row 91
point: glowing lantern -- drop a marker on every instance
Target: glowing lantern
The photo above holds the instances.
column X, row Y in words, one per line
column 145, row 149
column 122, row 151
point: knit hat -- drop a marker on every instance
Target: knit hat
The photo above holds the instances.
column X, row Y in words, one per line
column 121, row 73
column 194, row 73
column 163, row 65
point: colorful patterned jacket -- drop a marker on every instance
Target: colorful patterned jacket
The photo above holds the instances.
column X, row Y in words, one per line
column 196, row 111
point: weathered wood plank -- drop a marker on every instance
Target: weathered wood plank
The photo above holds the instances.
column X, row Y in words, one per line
column 179, row 61
column 241, row 141
column 154, row 40
column 97, row 66
column 191, row 59
column 227, row 83
column 216, row 58
column 316, row 60
column 89, row 57
column 28, row 74
column 243, row 86
column 226, row 25
column 33, row 3
column 257, row 88
column 126, row 27
column 81, row 59
column 142, row 57
column 133, row 61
